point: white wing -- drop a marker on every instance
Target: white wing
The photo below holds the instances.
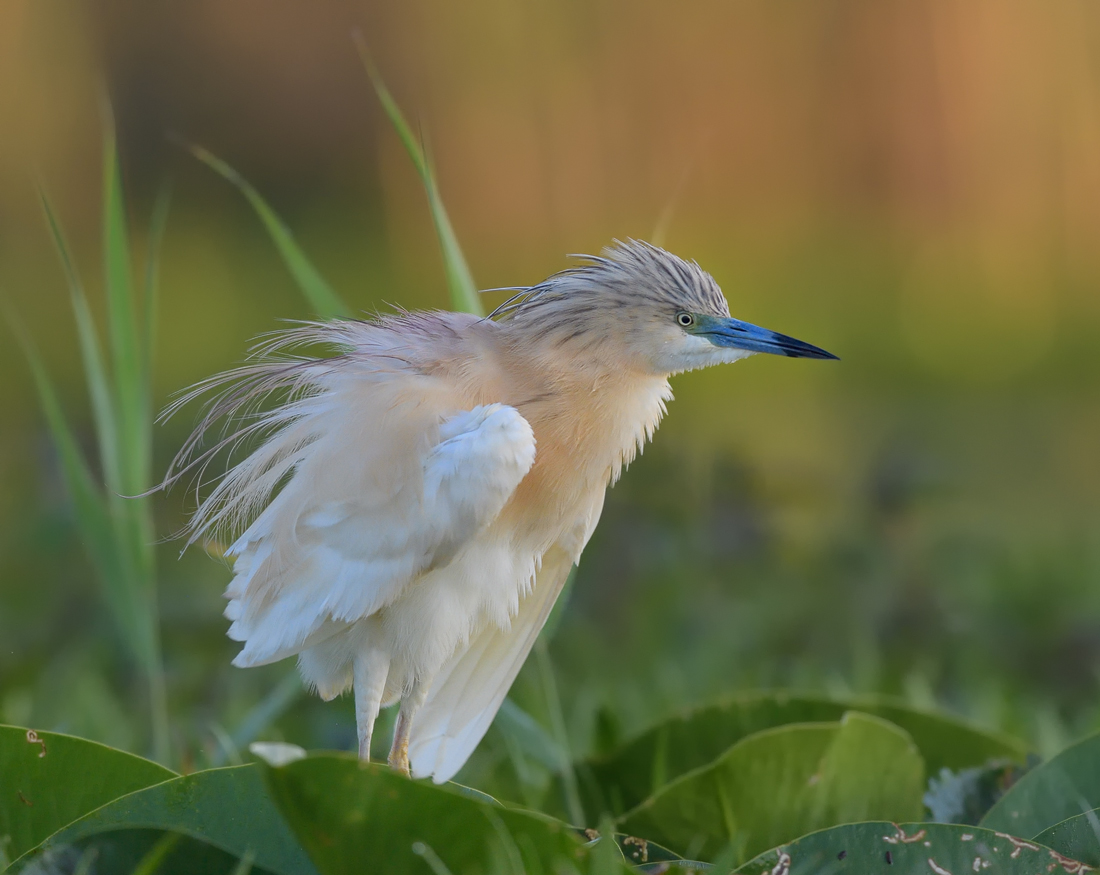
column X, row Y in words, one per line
column 388, row 490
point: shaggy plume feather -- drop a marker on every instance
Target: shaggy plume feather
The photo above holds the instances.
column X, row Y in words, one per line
column 626, row 275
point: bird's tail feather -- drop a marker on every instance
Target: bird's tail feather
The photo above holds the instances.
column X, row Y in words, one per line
column 470, row 688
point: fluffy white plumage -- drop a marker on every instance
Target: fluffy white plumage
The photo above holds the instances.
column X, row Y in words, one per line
column 435, row 481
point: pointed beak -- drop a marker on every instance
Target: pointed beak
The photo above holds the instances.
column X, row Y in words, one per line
column 734, row 333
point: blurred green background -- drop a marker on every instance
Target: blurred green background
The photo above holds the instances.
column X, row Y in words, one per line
column 913, row 185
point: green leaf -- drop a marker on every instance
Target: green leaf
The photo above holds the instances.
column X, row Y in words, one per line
column 228, row 808
column 623, row 779
column 460, row 281
column 784, row 782
column 1077, row 837
column 1067, row 785
column 354, row 817
column 40, row 794
column 909, row 849
column 324, row 300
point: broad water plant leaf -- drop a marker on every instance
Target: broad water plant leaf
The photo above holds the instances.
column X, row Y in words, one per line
column 324, row 300
column 910, row 849
column 48, row 780
column 781, row 783
column 356, row 817
column 1077, row 837
column 228, row 808
column 136, row 852
column 1062, row 787
column 629, row 775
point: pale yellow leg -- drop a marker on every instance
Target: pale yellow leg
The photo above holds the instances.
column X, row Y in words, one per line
column 399, row 752
column 369, row 673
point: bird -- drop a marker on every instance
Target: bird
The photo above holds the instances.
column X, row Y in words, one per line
column 409, row 506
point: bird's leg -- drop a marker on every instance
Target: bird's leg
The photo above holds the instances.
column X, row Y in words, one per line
column 399, row 752
column 369, row 673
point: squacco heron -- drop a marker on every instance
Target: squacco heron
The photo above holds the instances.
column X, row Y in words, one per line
column 415, row 502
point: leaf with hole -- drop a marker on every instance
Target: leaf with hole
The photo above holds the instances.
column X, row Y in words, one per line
column 48, row 780
column 909, row 849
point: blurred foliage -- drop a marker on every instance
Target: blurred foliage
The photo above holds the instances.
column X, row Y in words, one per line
column 299, row 814
column 914, row 188
column 622, row 779
column 1062, row 787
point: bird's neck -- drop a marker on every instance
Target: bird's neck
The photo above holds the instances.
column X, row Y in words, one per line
column 590, row 419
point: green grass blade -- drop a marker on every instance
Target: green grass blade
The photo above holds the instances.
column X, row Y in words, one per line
column 460, row 281
column 132, row 516
column 244, row 864
column 150, row 864
column 92, row 515
column 95, row 371
column 276, row 703
column 151, row 291
column 132, row 447
column 134, row 419
column 321, row 296
column 561, row 736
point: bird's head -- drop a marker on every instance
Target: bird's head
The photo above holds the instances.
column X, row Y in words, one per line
column 646, row 308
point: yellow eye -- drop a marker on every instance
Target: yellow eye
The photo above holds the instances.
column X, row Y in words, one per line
column 685, row 320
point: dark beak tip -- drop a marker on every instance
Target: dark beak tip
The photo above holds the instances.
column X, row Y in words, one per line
column 812, row 352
